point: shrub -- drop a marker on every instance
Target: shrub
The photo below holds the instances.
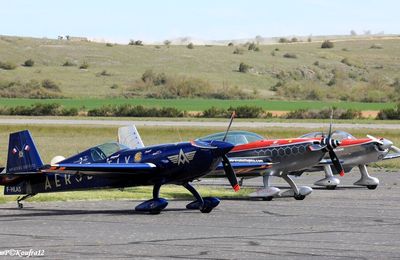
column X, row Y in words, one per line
column 389, row 113
column 137, row 43
column 84, row 66
column 109, row 44
column 190, row 46
column 167, row 42
column 376, row 46
column 114, row 86
column 327, row 44
column 323, row 114
column 214, row 112
column 136, row 111
column 68, row 63
column 230, row 44
column 8, row 65
column 104, row 73
column 29, row 63
column 252, row 46
column 346, row 61
column 247, row 111
column 50, row 85
column 283, row 40
column 294, row 39
column 290, row 55
column 244, row 68
column 237, row 51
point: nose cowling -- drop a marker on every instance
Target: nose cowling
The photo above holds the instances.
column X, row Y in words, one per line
column 386, row 144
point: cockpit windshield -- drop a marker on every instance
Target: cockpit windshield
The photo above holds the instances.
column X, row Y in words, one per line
column 102, row 151
column 234, row 137
column 337, row 135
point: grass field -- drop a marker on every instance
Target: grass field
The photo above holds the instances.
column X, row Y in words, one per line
column 216, row 64
column 198, row 104
column 67, row 140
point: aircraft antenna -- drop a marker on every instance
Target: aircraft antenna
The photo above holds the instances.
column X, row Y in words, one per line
column 229, row 126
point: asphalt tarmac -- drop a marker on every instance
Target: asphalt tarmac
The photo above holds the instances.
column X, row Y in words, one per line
column 345, row 223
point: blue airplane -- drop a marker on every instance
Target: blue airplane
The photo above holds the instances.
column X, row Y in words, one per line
column 113, row 165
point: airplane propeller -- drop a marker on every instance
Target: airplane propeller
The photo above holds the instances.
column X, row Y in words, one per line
column 331, row 144
column 229, row 172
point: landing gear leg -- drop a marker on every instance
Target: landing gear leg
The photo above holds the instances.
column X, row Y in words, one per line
column 366, row 180
column 330, row 182
column 20, row 199
column 155, row 205
column 299, row 193
column 205, row 205
column 267, row 192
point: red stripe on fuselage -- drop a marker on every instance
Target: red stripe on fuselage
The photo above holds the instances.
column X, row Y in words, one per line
column 350, row 142
column 271, row 143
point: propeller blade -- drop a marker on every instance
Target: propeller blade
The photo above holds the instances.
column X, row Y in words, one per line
column 375, row 139
column 229, row 126
column 230, row 173
column 330, row 125
column 336, row 162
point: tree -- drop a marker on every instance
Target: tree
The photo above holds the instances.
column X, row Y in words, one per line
column 327, row 44
column 353, row 33
column 167, row 42
column 190, row 46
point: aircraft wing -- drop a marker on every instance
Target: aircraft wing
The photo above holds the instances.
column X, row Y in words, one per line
column 102, row 168
column 241, row 165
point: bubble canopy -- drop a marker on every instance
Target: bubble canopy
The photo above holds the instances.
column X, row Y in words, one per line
column 234, row 137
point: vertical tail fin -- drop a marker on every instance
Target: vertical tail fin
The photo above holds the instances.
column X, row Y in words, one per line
column 22, row 153
column 129, row 136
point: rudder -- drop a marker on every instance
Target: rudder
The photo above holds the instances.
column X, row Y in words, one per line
column 22, row 153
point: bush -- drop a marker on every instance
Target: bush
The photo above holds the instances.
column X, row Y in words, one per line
column 50, row 85
column 294, row 39
column 137, row 43
column 230, row 44
column 104, row 73
column 290, row 55
column 244, row 68
column 376, row 46
column 29, row 63
column 283, row 40
column 167, row 42
column 190, row 46
column 324, row 114
column 39, row 109
column 327, row 44
column 247, row 111
column 68, row 63
column 156, row 79
column 237, row 51
column 214, row 112
column 136, row 111
column 84, row 66
column 252, row 46
column 389, row 113
column 346, row 61
column 8, row 65
column 109, row 44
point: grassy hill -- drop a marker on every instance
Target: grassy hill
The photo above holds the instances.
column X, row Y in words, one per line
column 365, row 68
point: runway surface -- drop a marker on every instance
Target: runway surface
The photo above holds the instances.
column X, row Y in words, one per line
column 249, row 124
column 345, row 223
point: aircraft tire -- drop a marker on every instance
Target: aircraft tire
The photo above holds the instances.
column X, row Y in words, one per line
column 372, row 187
column 269, row 198
column 299, row 197
column 331, row 187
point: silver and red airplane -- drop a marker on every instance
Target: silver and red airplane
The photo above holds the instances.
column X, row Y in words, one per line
column 285, row 156
column 354, row 152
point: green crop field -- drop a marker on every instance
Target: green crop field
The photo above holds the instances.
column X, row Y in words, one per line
column 198, row 104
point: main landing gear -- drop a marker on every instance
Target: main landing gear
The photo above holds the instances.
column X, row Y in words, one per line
column 155, row 205
column 20, row 199
column 206, row 205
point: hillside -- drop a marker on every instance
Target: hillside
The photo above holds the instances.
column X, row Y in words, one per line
column 359, row 70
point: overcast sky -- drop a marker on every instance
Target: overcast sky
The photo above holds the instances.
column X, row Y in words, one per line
column 152, row 20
